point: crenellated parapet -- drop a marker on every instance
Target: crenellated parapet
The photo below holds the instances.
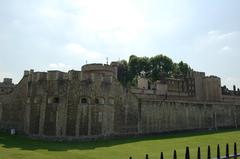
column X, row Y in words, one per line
column 97, row 67
column 50, row 75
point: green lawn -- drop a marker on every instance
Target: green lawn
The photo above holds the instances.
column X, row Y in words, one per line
column 17, row 147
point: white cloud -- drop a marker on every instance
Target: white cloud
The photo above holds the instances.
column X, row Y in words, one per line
column 218, row 52
column 213, row 32
column 59, row 66
column 218, row 35
column 49, row 12
column 216, row 42
column 112, row 21
column 78, row 51
column 226, row 48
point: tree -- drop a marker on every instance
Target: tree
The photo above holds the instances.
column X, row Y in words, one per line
column 176, row 70
column 133, row 66
column 138, row 64
column 155, row 67
column 184, row 68
column 123, row 73
column 160, row 64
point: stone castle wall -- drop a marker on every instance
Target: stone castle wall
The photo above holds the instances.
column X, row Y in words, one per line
column 78, row 104
column 12, row 107
column 158, row 116
column 92, row 103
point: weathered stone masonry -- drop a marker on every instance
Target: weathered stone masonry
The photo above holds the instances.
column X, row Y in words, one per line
column 92, row 103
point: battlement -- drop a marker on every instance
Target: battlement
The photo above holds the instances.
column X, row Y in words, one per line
column 212, row 77
column 50, row 75
column 86, row 73
column 196, row 73
column 213, row 80
column 97, row 67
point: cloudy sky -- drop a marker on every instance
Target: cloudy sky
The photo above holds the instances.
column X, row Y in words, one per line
column 54, row 34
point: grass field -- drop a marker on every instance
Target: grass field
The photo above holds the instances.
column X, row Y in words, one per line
column 17, row 147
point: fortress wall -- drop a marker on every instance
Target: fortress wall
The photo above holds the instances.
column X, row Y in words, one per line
column 34, row 102
column 83, row 117
column 89, row 111
column 131, row 114
column 45, row 104
column 231, row 99
column 157, row 116
column 49, row 104
column 12, row 107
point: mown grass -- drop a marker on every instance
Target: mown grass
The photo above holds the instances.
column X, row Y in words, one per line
column 19, row 147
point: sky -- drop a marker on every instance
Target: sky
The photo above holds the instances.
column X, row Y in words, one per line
column 64, row 35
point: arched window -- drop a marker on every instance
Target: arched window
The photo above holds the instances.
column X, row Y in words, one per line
column 84, row 100
column 99, row 100
column 96, row 101
column 55, row 100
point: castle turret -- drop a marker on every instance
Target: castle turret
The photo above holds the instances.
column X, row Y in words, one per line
column 212, row 88
column 98, row 71
column 198, row 77
column 115, row 66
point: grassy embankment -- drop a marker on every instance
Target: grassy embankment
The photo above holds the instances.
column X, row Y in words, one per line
column 18, row 147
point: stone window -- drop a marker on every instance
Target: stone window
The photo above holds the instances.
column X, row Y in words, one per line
column 56, row 100
column 53, row 100
column 84, row 100
column 96, row 101
column 99, row 100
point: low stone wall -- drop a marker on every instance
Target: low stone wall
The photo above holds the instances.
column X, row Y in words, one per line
column 162, row 116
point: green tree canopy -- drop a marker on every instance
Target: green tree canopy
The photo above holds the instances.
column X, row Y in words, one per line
column 153, row 66
column 160, row 64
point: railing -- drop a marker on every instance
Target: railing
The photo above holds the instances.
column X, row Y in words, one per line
column 187, row 153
